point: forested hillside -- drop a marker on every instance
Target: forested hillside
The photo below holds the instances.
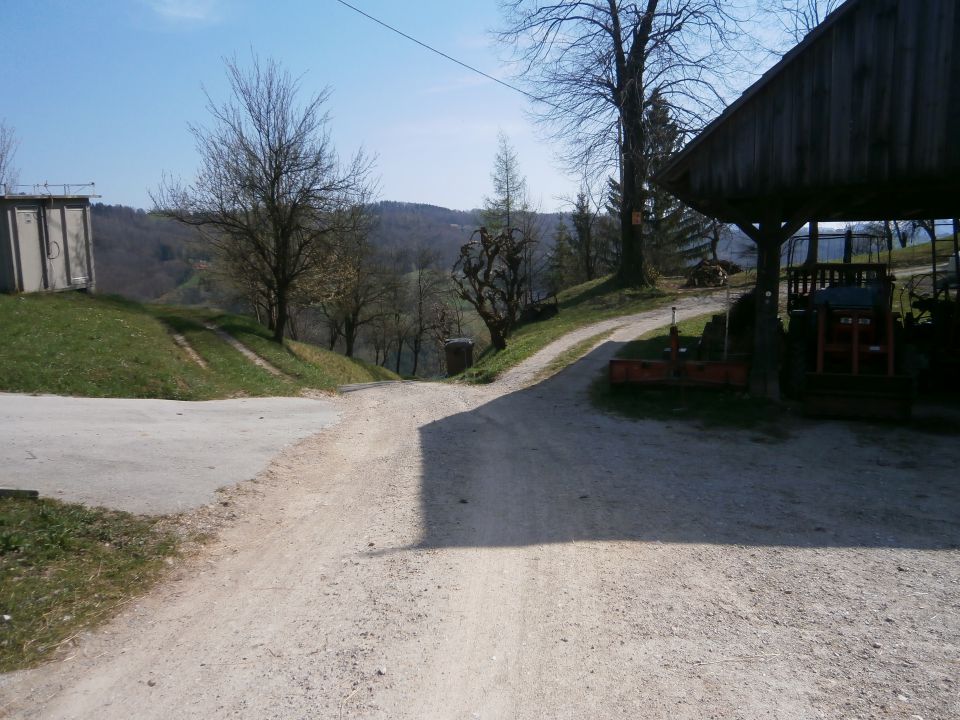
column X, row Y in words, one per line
column 145, row 257
column 141, row 256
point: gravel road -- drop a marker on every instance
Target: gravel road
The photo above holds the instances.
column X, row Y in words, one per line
column 508, row 552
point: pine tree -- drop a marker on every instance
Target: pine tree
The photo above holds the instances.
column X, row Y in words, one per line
column 678, row 234
column 509, row 189
column 562, row 266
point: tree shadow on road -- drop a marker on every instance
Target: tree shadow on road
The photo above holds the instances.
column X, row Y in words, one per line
column 542, row 466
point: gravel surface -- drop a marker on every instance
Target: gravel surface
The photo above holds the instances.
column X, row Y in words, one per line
column 146, row 456
column 507, row 551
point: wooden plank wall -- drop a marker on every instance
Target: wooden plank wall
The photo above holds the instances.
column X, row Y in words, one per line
column 874, row 98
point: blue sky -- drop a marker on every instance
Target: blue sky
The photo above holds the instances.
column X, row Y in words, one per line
column 104, row 90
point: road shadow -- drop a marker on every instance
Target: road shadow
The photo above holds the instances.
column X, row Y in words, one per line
column 541, row 465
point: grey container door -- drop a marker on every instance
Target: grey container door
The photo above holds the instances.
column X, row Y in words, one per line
column 56, row 252
column 30, row 255
column 77, row 244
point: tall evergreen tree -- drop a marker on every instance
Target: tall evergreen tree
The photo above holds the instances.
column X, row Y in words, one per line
column 501, row 210
column 678, row 234
column 583, row 218
column 562, row 266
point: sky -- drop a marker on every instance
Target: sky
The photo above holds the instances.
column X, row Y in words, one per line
column 104, row 91
column 109, row 87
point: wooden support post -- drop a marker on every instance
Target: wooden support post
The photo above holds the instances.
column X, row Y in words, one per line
column 765, row 370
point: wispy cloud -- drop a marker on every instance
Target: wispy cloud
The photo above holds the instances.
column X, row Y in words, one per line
column 185, row 11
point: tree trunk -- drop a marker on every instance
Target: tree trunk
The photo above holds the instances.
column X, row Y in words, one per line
column 765, row 369
column 813, row 244
column 415, row 349
column 497, row 339
column 282, row 317
column 633, row 270
column 349, row 336
column 848, row 247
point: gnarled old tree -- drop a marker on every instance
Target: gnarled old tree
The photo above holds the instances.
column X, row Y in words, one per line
column 271, row 195
column 489, row 274
column 595, row 68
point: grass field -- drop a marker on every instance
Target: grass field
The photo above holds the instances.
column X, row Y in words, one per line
column 87, row 345
column 64, row 567
column 579, row 306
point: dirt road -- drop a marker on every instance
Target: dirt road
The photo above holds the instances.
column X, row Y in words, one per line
column 508, row 552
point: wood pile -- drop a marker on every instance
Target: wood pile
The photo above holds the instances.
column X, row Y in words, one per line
column 712, row 273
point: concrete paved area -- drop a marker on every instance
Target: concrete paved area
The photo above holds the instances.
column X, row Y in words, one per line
column 146, row 456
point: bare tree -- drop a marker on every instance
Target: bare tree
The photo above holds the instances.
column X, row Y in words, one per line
column 489, row 274
column 8, row 150
column 365, row 281
column 796, row 18
column 510, row 206
column 428, row 283
column 271, row 194
column 595, row 66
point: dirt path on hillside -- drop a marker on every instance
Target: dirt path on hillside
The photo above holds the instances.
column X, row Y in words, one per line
column 508, row 552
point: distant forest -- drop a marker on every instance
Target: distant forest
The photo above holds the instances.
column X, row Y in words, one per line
column 145, row 257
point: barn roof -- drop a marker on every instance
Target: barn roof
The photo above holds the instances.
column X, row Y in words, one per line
column 857, row 122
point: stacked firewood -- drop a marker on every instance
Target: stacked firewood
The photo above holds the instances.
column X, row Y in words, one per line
column 712, row 273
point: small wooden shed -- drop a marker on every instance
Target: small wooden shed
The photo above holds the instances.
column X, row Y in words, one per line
column 46, row 243
column 858, row 122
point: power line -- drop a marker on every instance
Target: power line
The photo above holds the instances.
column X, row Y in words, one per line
column 440, row 53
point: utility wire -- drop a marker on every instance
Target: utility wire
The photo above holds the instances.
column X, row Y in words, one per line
column 441, row 54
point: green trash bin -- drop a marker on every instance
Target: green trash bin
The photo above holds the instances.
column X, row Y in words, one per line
column 459, row 352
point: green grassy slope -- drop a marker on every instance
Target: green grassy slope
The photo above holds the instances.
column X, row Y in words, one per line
column 581, row 305
column 76, row 344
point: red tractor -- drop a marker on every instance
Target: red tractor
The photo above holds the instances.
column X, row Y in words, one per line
column 842, row 354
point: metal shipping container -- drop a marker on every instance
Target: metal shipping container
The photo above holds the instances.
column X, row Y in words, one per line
column 45, row 243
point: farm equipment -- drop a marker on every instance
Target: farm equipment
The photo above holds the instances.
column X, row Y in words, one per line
column 675, row 369
column 842, row 355
column 932, row 325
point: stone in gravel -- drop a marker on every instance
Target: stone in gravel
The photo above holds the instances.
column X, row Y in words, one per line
column 381, row 671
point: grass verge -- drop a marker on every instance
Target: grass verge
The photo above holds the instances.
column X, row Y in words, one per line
column 572, row 354
column 65, row 567
column 913, row 255
column 579, row 306
column 93, row 346
column 708, row 407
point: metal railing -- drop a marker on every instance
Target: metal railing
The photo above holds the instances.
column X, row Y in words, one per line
column 55, row 189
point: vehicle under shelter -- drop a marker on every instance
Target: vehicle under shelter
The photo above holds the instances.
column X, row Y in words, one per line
column 858, row 122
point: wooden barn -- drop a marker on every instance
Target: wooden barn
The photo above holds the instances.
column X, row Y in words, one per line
column 860, row 121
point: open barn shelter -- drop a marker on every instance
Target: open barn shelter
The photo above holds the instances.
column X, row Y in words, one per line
column 858, row 122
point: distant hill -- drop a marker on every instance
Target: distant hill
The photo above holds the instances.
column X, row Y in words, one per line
column 142, row 256
column 412, row 225
column 146, row 257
